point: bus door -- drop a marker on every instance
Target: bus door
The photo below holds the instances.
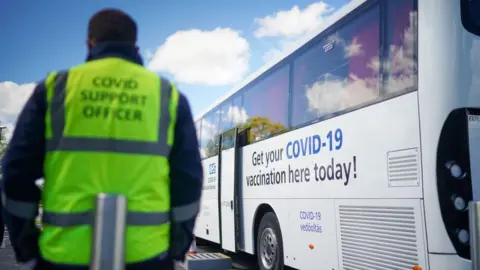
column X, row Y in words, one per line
column 229, row 214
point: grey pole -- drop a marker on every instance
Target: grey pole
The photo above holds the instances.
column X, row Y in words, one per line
column 474, row 220
column 108, row 249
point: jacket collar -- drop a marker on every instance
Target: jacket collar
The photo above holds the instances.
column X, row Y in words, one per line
column 112, row 49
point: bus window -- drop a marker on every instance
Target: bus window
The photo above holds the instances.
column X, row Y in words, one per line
column 470, row 10
column 225, row 116
column 400, row 64
column 228, row 139
column 209, row 133
column 198, row 127
column 237, row 112
column 339, row 72
column 266, row 105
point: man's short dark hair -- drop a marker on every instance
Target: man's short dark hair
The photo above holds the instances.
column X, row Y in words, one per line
column 112, row 25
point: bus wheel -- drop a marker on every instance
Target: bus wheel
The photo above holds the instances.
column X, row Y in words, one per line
column 269, row 243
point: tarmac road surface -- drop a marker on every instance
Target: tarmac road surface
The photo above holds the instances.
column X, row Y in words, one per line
column 7, row 258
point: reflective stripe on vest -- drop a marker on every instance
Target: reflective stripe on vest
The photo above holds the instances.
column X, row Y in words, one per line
column 178, row 214
column 27, row 210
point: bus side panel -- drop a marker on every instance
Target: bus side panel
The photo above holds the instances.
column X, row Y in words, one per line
column 344, row 233
column 448, row 262
column 389, row 234
column 449, row 78
column 247, row 221
column 372, row 153
column 207, row 225
column 308, row 230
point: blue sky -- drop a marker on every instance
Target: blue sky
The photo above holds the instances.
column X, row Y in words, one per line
column 48, row 35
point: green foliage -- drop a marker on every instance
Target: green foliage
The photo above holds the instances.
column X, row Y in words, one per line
column 260, row 128
column 211, row 148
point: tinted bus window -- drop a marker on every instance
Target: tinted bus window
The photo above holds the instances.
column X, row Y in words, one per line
column 237, row 113
column 471, row 15
column 266, row 104
column 210, row 131
column 198, row 127
column 400, row 64
column 225, row 118
column 340, row 72
column 233, row 115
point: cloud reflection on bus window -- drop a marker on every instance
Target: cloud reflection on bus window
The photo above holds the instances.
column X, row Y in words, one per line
column 347, row 69
column 211, row 127
column 344, row 71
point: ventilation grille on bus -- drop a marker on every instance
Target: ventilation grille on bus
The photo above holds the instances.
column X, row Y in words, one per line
column 378, row 238
column 403, row 169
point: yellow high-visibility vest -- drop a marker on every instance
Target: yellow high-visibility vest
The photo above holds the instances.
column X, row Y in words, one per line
column 109, row 129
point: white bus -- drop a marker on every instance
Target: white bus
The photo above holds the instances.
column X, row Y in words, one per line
column 360, row 149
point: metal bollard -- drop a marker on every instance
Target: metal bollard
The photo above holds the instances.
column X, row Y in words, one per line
column 474, row 224
column 108, row 249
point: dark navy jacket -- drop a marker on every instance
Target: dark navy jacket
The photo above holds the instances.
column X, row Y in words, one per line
column 23, row 164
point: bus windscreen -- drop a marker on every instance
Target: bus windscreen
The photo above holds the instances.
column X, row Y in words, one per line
column 471, row 15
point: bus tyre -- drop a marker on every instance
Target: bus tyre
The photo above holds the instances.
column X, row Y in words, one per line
column 269, row 243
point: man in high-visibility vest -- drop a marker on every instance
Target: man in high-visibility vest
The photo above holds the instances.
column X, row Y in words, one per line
column 106, row 126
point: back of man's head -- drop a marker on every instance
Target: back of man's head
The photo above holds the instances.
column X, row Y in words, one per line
column 112, row 25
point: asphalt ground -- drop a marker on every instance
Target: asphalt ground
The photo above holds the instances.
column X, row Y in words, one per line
column 7, row 259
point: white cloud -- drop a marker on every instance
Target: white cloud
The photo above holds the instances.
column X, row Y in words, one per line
column 203, row 153
column 335, row 94
column 293, row 27
column 12, row 99
column 238, row 115
column 209, row 130
column 277, row 52
column 331, row 94
column 217, row 57
column 293, row 22
column 349, row 50
column 148, row 55
column 233, row 115
column 402, row 64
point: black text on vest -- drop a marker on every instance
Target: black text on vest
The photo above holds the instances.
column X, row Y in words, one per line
column 110, row 97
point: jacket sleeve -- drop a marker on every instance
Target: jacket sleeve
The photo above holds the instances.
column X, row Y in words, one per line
column 22, row 165
column 186, row 174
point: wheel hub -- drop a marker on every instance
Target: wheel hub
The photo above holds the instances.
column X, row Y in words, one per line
column 268, row 248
